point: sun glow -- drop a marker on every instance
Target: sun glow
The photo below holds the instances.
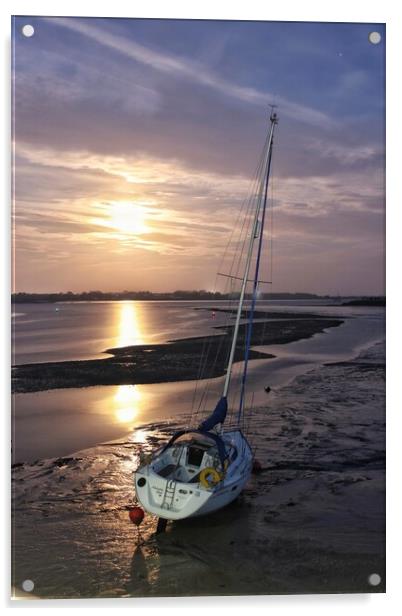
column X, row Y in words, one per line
column 127, row 217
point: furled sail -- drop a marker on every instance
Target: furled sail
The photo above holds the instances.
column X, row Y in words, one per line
column 217, row 416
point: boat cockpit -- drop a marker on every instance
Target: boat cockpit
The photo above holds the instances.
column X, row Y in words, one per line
column 185, row 457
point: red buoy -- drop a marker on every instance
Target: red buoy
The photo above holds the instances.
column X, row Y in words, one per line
column 136, row 515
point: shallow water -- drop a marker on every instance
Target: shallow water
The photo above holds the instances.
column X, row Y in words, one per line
column 59, row 422
column 84, row 330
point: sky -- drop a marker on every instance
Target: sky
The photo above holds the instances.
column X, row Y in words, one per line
column 135, row 142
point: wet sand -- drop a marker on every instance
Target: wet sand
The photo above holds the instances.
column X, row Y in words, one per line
column 178, row 360
column 312, row 521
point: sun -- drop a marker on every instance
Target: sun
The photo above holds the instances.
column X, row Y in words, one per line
column 127, row 217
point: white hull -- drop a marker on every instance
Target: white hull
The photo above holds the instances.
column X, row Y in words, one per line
column 179, row 495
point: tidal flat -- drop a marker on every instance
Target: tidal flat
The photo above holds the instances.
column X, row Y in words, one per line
column 177, row 360
column 311, row 522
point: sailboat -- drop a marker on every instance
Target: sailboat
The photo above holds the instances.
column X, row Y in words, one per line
column 203, row 469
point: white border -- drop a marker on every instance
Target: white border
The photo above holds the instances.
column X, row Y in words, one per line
column 288, row 10
column 388, row 11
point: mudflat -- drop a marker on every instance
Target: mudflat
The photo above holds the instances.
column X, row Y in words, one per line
column 178, row 360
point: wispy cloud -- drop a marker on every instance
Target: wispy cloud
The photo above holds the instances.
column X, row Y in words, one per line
column 345, row 153
column 160, row 177
column 75, row 82
column 194, row 71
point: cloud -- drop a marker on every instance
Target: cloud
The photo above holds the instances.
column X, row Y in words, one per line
column 75, row 80
column 346, row 154
column 160, row 177
column 188, row 213
column 194, row 71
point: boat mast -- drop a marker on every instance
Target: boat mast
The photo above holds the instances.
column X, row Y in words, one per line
column 254, row 235
column 255, row 290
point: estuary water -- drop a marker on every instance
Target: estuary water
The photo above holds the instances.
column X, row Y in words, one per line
column 59, row 422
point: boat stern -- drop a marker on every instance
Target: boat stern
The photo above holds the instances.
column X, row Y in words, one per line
column 168, row 498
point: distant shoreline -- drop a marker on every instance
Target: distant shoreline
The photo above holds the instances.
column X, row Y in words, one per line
column 178, row 360
column 366, row 301
column 88, row 296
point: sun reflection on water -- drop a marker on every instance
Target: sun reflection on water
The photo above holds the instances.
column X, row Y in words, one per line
column 126, row 402
column 141, row 436
column 128, row 325
column 127, row 399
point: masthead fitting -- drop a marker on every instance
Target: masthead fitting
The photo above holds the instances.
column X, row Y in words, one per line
column 274, row 117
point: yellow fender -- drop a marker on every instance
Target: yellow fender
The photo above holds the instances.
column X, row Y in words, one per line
column 209, row 477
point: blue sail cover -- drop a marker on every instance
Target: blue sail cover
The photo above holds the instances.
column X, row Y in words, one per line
column 217, row 417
